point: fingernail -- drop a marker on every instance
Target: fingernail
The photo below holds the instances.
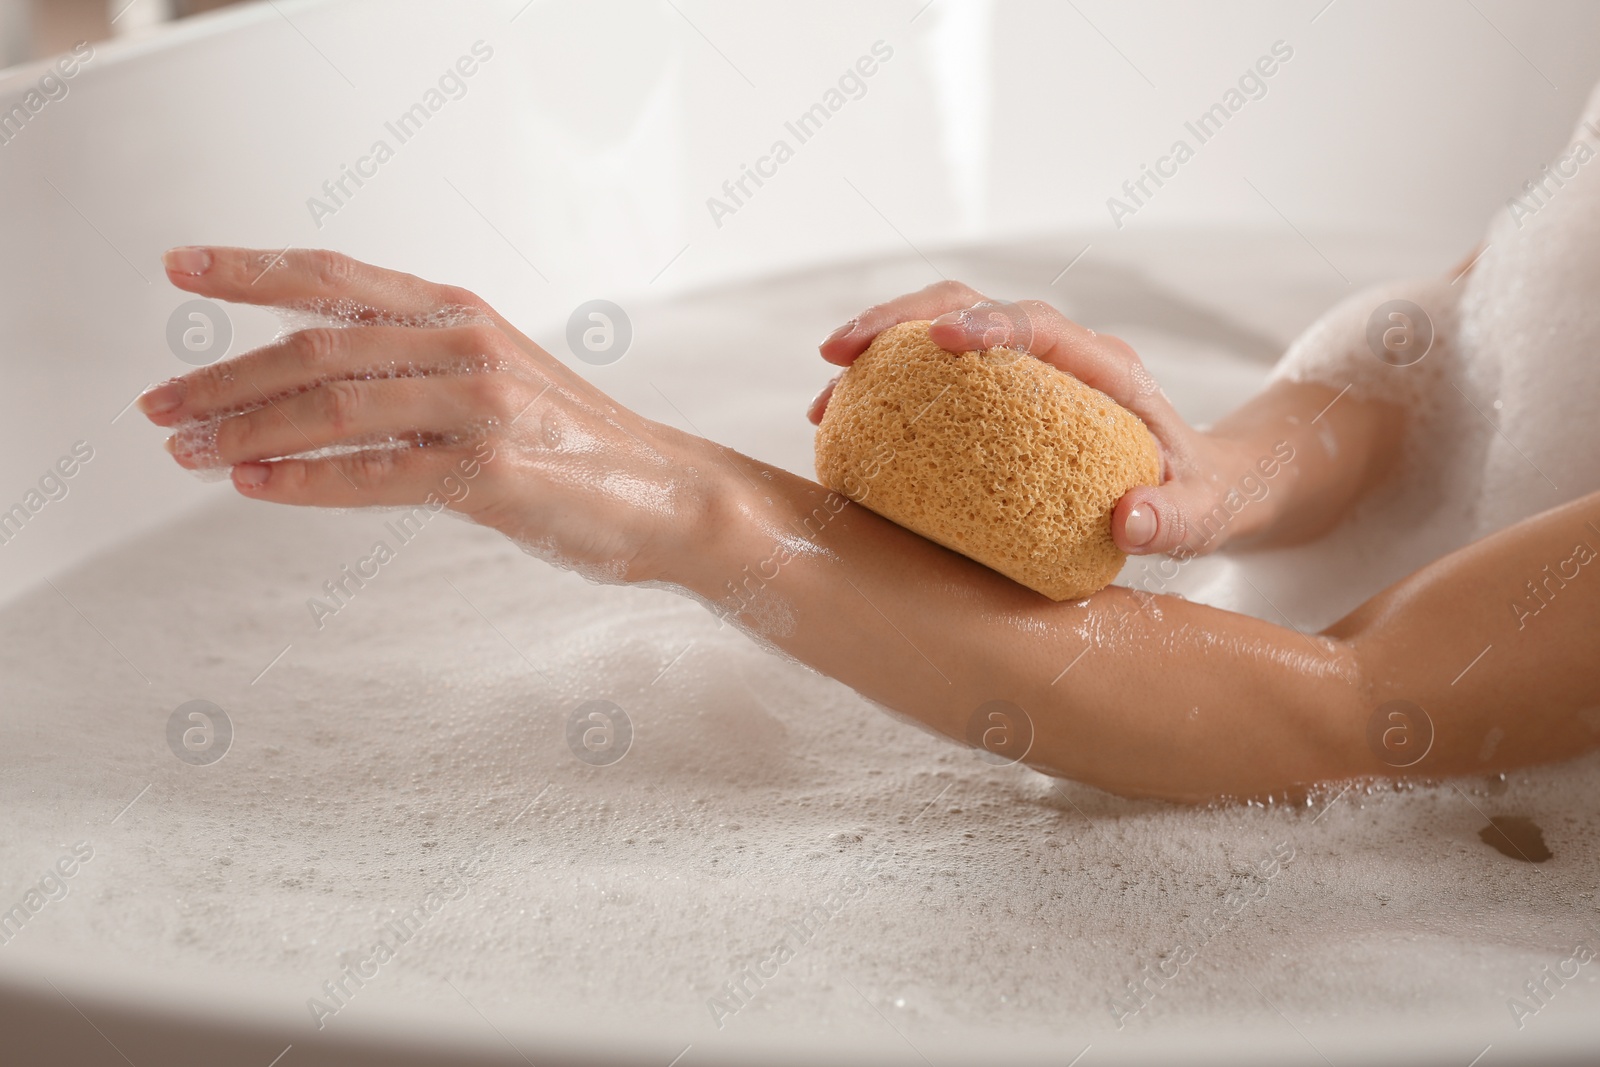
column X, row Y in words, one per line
column 175, row 450
column 820, row 402
column 252, row 475
column 191, row 261
column 843, row 331
column 1140, row 528
column 163, row 398
column 953, row 318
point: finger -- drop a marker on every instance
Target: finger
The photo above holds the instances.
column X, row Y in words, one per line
column 1097, row 360
column 1152, row 520
column 1100, row 361
column 308, row 357
column 344, row 411
column 819, row 403
column 299, row 277
column 379, row 477
column 850, row 340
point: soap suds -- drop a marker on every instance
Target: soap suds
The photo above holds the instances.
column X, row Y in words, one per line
column 196, row 439
column 379, row 753
column 372, row 757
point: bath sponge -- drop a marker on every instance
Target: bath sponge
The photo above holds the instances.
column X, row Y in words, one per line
column 995, row 454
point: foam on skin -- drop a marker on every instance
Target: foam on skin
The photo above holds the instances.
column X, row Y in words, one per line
column 196, row 439
column 1499, row 415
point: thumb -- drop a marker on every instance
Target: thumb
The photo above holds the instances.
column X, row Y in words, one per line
column 1150, row 520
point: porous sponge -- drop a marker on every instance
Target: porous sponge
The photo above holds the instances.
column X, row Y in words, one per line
column 996, row 455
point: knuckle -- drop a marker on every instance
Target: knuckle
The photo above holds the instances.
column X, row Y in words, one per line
column 331, row 271
column 319, row 347
column 236, row 437
column 204, row 386
column 1122, row 349
column 291, row 477
column 952, row 290
column 492, row 395
column 1138, row 383
column 456, row 296
column 1037, row 311
column 368, row 470
column 252, row 432
column 483, row 339
column 339, row 405
column 876, row 312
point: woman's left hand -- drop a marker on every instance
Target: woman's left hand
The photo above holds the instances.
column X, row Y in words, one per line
column 431, row 397
column 1147, row 520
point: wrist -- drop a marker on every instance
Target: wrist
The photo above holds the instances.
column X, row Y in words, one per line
column 707, row 523
column 1249, row 482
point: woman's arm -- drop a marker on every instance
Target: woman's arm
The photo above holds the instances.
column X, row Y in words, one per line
column 1156, row 696
column 1139, row 694
column 1340, row 446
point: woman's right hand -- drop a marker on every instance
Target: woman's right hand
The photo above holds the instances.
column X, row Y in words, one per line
column 1147, row 520
column 479, row 417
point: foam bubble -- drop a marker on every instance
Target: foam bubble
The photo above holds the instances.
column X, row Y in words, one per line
column 195, row 439
column 609, row 572
column 340, row 314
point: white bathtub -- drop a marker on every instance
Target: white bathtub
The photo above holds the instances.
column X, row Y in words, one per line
column 423, row 726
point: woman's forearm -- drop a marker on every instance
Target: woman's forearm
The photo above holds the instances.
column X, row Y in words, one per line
column 1300, row 456
column 1137, row 694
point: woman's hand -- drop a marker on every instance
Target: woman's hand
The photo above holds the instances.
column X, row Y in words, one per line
column 1146, row 520
column 431, row 397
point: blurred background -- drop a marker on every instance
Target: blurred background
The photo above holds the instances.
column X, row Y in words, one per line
column 587, row 158
column 33, row 28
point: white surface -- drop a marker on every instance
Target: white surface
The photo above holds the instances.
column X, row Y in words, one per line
column 371, row 756
column 1001, row 909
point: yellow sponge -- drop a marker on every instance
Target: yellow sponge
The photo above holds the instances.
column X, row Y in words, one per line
column 994, row 454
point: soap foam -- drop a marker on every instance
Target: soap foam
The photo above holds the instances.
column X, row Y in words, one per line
column 374, row 755
column 196, row 439
column 383, row 750
column 339, row 314
column 1498, row 419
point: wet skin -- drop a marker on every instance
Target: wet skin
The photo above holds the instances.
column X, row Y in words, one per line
column 1163, row 697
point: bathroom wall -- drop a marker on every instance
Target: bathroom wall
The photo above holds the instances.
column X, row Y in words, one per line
column 587, row 157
